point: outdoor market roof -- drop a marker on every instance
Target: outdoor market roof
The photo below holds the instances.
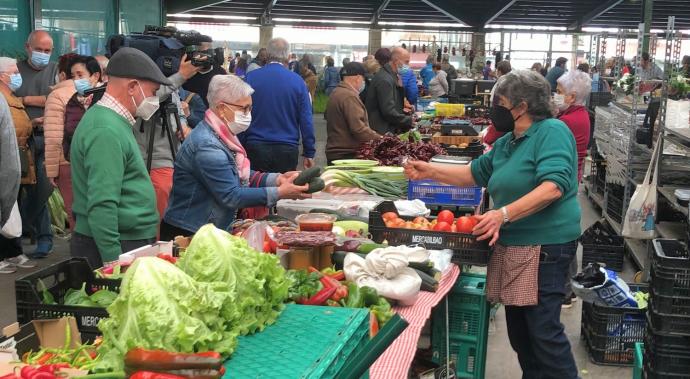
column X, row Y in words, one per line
column 443, row 14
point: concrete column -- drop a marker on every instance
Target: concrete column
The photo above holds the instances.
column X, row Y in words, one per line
column 575, row 45
column 265, row 34
column 479, row 44
column 374, row 40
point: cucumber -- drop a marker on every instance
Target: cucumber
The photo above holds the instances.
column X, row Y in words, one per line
column 315, row 185
column 367, row 248
column 428, row 283
column 307, row 175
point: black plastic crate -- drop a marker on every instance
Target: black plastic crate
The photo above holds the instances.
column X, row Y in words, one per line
column 600, row 99
column 57, row 279
column 666, row 341
column 601, row 244
column 611, row 332
column 466, row 248
column 676, row 324
column 471, row 151
column 614, row 202
column 670, row 276
column 662, row 359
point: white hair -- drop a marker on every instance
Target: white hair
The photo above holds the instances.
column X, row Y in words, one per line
column 227, row 89
column 278, row 49
column 576, row 82
column 7, row 63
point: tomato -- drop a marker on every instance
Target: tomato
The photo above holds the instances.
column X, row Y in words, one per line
column 389, row 216
column 420, row 220
column 443, row 227
column 390, row 224
column 446, row 216
column 409, row 225
column 465, row 224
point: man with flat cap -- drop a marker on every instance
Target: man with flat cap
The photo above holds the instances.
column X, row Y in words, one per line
column 114, row 200
column 347, row 122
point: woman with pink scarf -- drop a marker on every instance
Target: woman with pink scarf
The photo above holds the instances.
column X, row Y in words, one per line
column 213, row 179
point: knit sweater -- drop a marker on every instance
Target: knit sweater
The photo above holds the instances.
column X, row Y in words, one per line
column 113, row 196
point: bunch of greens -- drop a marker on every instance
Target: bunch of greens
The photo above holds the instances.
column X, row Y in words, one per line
column 161, row 307
column 80, row 298
column 303, row 284
column 256, row 281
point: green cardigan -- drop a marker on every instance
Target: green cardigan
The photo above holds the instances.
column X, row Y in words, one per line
column 515, row 167
column 113, row 196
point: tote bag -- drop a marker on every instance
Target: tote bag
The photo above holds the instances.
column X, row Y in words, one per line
column 641, row 213
column 13, row 226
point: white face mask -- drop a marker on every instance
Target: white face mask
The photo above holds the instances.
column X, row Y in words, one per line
column 148, row 106
column 240, row 124
column 559, row 100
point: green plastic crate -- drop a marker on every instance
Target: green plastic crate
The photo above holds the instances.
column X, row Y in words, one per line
column 468, row 327
column 639, row 364
column 305, row 342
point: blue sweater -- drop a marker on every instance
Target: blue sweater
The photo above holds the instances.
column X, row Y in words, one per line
column 409, row 82
column 427, row 73
column 281, row 109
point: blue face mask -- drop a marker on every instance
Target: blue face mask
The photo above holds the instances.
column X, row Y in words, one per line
column 39, row 59
column 15, row 82
column 404, row 69
column 82, row 85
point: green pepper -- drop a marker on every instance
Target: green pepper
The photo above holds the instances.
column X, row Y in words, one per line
column 369, row 295
column 383, row 311
column 354, row 296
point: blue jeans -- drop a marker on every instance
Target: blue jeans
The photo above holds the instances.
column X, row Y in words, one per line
column 535, row 332
column 33, row 205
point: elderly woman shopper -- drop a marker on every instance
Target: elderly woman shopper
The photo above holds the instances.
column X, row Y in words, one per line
column 213, row 179
column 531, row 174
column 12, row 142
column 331, row 76
column 438, row 85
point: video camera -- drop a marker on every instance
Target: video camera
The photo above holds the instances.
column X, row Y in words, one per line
column 166, row 46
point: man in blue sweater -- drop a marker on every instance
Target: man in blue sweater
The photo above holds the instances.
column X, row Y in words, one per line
column 281, row 115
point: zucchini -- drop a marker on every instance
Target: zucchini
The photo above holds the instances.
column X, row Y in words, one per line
column 307, row 175
column 367, row 248
column 317, row 184
column 338, row 258
column 428, row 283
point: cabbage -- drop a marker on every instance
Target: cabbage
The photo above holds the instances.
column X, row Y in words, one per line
column 256, row 279
column 161, row 307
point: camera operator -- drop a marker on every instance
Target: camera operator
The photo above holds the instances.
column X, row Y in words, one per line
column 153, row 136
column 199, row 83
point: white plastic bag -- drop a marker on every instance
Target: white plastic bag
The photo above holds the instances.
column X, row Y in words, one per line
column 639, row 218
column 13, row 226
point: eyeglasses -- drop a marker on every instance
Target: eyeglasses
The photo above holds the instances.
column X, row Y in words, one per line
column 245, row 109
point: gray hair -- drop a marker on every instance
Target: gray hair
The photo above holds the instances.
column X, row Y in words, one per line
column 6, row 63
column 227, row 89
column 576, row 82
column 278, row 49
column 530, row 87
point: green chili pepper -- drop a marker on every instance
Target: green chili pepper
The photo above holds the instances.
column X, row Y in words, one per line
column 370, row 296
column 354, row 296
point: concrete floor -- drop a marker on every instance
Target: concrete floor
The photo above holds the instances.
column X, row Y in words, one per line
column 501, row 360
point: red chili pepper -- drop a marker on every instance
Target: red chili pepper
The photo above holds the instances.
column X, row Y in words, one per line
column 9, row 376
column 153, row 375
column 167, row 257
column 340, row 293
column 44, row 358
column 338, row 275
column 211, row 354
column 321, row 297
column 27, row 371
column 53, row 368
column 142, row 359
column 43, row 375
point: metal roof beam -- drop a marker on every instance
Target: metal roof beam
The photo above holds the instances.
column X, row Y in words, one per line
column 450, row 9
column 498, row 10
column 182, row 6
column 377, row 14
column 265, row 18
column 594, row 13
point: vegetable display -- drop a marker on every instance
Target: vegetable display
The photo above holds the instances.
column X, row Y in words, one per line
column 102, row 298
column 445, row 222
column 390, row 150
column 379, row 184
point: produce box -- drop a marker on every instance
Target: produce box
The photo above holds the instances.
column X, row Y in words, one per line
column 601, row 244
column 466, row 248
column 57, row 279
column 435, row 193
column 611, row 332
column 454, row 140
column 666, row 355
column 457, row 110
column 468, row 327
column 152, row 250
column 305, row 342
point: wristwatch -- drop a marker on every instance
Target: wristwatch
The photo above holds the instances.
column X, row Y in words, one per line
column 506, row 219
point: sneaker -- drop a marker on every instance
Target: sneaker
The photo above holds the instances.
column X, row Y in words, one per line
column 42, row 250
column 7, row 268
column 567, row 304
column 21, row 261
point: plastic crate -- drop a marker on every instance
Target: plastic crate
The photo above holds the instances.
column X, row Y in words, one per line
column 600, row 99
column 305, row 342
column 601, row 244
column 450, row 110
column 638, row 366
column 433, row 192
column 466, row 248
column 676, row 324
column 57, row 279
column 614, row 202
column 663, row 359
column 474, row 151
column 611, row 332
column 670, row 277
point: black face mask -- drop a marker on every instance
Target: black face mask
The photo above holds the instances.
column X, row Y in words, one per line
column 502, row 118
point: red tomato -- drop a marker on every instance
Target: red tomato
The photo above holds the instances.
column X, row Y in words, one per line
column 446, row 216
column 465, row 224
column 420, row 220
column 389, row 216
column 443, row 227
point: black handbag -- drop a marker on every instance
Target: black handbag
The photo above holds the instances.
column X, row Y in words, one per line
column 24, row 162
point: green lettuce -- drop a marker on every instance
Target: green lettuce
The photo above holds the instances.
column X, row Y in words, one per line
column 161, row 307
column 256, row 279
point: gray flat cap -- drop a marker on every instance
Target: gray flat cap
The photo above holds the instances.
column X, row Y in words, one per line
column 128, row 62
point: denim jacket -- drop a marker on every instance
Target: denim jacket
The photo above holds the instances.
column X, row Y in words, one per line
column 207, row 187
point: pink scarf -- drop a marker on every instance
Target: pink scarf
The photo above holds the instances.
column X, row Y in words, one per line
column 232, row 142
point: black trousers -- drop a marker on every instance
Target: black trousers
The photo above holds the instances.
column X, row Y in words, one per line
column 273, row 157
column 10, row 247
column 169, row 232
column 84, row 246
column 535, row 332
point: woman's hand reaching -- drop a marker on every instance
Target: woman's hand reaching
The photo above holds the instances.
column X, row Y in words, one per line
column 489, row 226
column 418, row 170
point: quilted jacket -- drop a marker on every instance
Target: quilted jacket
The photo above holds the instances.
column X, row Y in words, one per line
column 54, row 125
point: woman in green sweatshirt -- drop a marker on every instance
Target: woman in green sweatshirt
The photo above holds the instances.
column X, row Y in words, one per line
column 531, row 175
